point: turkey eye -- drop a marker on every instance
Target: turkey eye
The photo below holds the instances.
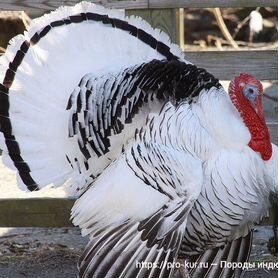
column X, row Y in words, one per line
column 250, row 92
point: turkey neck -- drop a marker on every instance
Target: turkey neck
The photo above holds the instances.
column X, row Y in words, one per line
column 255, row 122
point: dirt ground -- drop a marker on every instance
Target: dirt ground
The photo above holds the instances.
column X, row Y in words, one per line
column 40, row 253
column 54, row 253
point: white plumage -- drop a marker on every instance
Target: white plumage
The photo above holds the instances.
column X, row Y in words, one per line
column 61, row 69
column 256, row 22
column 109, row 107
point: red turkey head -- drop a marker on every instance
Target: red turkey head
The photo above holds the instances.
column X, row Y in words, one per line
column 246, row 94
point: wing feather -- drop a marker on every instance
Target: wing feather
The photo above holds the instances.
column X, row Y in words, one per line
column 124, row 232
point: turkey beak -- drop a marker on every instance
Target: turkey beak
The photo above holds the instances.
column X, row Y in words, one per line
column 258, row 107
column 256, row 102
column 255, row 105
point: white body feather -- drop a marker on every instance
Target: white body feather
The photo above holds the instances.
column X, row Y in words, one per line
column 50, row 72
column 175, row 173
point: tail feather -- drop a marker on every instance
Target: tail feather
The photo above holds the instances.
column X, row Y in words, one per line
column 38, row 77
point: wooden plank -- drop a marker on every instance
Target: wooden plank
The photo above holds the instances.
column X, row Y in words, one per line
column 226, row 64
column 163, row 19
column 125, row 4
column 45, row 5
column 35, row 212
column 160, row 4
column 45, row 212
column 37, row 6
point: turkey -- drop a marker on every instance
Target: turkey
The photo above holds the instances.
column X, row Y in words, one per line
column 165, row 164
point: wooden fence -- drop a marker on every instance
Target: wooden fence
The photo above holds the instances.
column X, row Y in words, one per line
column 34, row 5
column 55, row 212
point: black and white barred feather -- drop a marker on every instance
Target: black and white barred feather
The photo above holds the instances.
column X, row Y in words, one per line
column 153, row 142
column 104, row 106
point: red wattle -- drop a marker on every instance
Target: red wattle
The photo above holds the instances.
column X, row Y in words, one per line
column 253, row 117
column 264, row 147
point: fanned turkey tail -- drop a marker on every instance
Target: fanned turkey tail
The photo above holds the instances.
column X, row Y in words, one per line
column 41, row 70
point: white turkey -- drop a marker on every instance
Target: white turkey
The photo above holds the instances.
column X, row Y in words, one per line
column 165, row 163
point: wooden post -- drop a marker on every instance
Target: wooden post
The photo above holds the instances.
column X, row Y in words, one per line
column 163, row 19
column 35, row 212
column 47, row 212
column 180, row 27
